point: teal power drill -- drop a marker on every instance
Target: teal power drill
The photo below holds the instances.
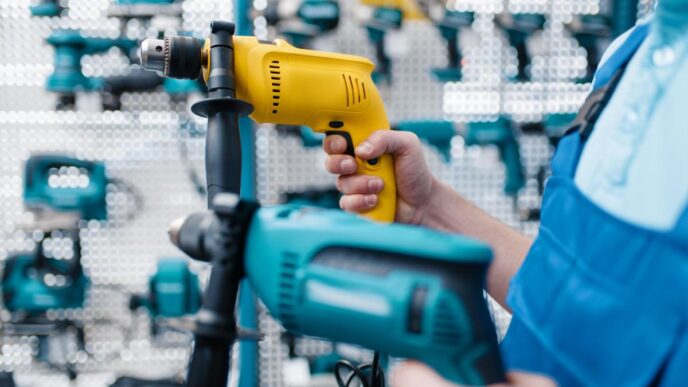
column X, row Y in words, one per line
column 311, row 19
column 67, row 78
column 450, row 27
column 518, row 28
column 173, row 291
column 62, row 186
column 501, row 134
column 401, row 290
column 384, row 19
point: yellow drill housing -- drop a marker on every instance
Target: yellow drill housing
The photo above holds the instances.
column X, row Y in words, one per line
column 330, row 93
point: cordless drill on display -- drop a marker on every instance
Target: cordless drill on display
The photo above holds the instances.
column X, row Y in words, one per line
column 60, row 191
column 68, row 78
column 450, row 27
column 402, row 291
column 311, row 19
column 519, row 27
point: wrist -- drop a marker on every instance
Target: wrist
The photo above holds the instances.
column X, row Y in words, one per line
column 434, row 211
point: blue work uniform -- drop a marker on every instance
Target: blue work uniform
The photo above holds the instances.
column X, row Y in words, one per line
column 602, row 297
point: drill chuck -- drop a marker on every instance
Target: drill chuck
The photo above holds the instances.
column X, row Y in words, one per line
column 175, row 56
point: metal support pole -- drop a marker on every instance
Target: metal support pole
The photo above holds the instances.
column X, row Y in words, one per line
column 248, row 314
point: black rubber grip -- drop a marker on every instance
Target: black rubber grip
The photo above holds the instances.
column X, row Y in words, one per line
column 185, row 57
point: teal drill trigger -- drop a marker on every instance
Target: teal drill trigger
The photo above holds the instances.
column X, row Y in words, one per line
column 65, row 184
column 437, row 134
column 450, row 27
column 501, row 134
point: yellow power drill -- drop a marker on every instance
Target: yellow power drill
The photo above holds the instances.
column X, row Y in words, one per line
column 328, row 92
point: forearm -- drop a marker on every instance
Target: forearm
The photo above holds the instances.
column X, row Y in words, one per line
column 448, row 211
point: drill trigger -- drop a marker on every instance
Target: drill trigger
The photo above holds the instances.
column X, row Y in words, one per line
column 349, row 142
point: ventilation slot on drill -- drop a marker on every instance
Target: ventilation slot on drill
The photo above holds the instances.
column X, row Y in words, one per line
column 355, row 90
column 446, row 329
column 275, row 84
column 287, row 291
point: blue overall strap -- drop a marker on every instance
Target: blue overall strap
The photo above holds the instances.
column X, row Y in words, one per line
column 568, row 152
column 621, row 56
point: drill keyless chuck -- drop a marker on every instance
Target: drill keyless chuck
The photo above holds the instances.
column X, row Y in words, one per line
column 176, row 56
column 152, row 54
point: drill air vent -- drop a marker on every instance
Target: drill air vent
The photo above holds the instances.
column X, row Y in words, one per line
column 355, row 90
column 276, row 84
column 446, row 329
column 287, row 290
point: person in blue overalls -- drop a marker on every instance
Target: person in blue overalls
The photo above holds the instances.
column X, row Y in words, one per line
column 600, row 297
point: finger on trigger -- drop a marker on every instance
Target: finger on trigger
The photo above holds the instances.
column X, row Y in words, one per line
column 359, row 184
column 341, row 164
column 334, row 144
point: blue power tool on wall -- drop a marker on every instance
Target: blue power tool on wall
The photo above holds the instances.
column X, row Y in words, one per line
column 519, row 28
column 68, row 78
column 66, row 184
column 173, row 292
column 61, row 191
column 449, row 27
column 311, row 19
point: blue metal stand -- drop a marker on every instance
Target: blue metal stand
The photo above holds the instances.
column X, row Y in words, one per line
column 248, row 314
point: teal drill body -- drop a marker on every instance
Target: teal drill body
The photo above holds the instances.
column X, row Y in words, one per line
column 401, row 290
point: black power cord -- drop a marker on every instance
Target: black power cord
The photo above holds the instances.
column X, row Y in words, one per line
column 366, row 374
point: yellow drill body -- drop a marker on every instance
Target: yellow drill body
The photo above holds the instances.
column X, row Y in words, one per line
column 330, row 93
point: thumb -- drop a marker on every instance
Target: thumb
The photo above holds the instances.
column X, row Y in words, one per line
column 386, row 141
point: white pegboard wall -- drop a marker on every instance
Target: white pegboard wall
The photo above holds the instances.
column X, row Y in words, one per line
column 140, row 145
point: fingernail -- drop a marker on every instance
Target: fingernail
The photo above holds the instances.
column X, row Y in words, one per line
column 347, row 165
column 341, row 202
column 339, row 145
column 370, row 200
column 364, row 147
column 375, row 185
